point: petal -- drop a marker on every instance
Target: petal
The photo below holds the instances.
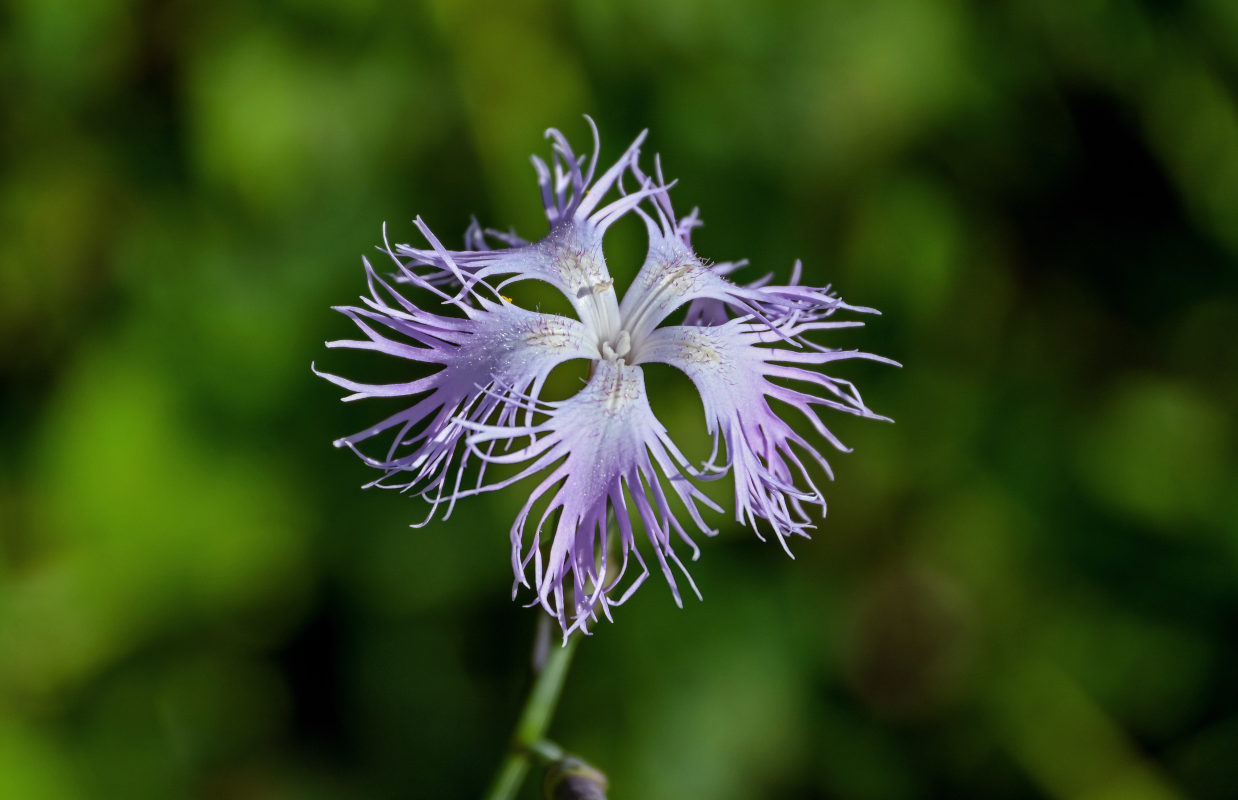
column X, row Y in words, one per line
column 704, row 311
column 496, row 352
column 673, row 276
column 732, row 366
column 598, row 448
column 569, row 257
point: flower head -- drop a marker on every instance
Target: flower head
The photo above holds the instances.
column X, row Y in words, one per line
column 604, row 466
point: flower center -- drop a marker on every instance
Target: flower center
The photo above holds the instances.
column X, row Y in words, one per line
column 618, row 348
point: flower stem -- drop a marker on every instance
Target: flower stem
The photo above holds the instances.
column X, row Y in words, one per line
column 534, row 718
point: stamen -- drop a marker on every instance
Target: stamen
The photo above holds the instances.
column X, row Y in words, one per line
column 617, row 351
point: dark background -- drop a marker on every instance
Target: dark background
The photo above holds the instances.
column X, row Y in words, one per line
column 1026, row 588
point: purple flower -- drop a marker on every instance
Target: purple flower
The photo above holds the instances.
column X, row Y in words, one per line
column 604, row 465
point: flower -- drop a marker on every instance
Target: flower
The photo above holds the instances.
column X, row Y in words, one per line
column 605, row 465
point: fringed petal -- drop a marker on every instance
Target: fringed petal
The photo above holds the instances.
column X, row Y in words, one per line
column 673, row 276
column 493, row 354
column 602, row 452
column 569, row 257
column 732, row 366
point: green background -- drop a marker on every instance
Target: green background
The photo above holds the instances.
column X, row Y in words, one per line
column 1026, row 588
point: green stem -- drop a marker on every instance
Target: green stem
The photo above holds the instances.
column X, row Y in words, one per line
column 534, row 720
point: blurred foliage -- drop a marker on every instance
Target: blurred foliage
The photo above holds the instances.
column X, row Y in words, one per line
column 1026, row 588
